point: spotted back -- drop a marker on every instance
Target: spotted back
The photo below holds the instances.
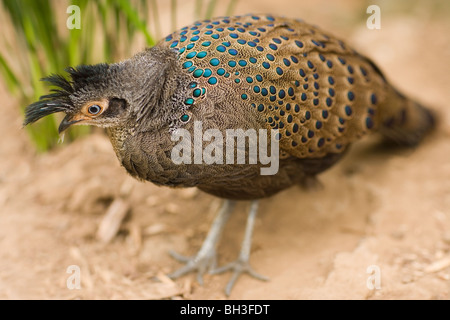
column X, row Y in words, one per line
column 320, row 94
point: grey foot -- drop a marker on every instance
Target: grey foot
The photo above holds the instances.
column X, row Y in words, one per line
column 199, row 263
column 241, row 265
column 238, row 267
column 205, row 259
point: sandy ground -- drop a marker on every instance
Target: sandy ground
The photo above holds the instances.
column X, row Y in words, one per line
column 386, row 210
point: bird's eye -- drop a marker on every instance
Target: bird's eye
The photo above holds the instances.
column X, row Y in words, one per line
column 94, row 109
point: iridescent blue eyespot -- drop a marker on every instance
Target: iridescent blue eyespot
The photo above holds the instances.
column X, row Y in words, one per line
column 373, row 98
column 190, row 55
column 202, row 54
column 198, row 73
column 212, row 80
column 207, row 73
column 307, row 115
column 299, row 43
column 348, row 110
column 187, row 64
column 321, row 142
column 197, row 92
column 351, row 96
column 242, row 63
column 214, row 62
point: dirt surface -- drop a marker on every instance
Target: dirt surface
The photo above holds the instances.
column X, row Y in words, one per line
column 384, row 208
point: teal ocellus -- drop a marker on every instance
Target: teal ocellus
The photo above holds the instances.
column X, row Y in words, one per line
column 244, row 72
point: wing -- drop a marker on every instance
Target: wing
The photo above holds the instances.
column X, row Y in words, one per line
column 319, row 93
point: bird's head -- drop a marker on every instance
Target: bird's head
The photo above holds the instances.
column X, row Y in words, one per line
column 91, row 96
column 104, row 95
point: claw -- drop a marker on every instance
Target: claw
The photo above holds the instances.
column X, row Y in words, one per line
column 239, row 267
column 205, row 259
column 197, row 263
column 179, row 257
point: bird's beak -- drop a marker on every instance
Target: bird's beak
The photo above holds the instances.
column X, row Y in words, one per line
column 66, row 123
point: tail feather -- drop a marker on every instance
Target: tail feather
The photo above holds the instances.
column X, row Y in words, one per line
column 405, row 121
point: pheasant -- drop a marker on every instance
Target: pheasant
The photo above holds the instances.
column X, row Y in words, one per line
column 312, row 93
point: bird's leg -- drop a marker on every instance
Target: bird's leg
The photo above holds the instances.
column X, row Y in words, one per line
column 206, row 256
column 241, row 265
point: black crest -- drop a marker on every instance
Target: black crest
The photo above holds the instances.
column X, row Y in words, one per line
column 59, row 99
